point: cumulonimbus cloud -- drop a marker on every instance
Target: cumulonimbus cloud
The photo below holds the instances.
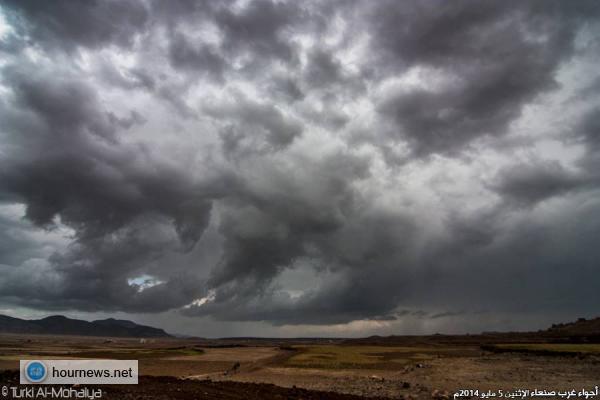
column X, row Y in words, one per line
column 299, row 163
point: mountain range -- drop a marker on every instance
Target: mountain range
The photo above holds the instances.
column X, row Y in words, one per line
column 61, row 325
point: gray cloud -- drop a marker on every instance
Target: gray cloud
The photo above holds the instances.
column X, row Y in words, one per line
column 496, row 59
column 72, row 166
column 260, row 29
column 198, row 59
column 254, row 120
column 529, row 184
column 90, row 24
column 589, row 128
column 240, row 162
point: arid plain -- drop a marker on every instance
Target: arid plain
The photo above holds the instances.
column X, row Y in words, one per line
column 394, row 367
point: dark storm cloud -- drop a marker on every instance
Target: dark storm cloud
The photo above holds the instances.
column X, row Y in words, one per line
column 324, row 73
column 72, row 166
column 357, row 295
column 203, row 157
column 371, row 243
column 285, row 88
column 589, row 128
column 496, row 58
column 529, row 184
column 322, row 68
column 268, row 229
column 254, row 120
column 201, row 59
column 543, row 261
column 260, row 29
column 16, row 245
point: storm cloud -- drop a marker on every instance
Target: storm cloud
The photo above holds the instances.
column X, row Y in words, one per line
column 301, row 164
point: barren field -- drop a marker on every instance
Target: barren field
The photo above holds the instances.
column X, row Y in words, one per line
column 186, row 368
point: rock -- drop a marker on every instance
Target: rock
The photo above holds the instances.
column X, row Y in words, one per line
column 405, row 385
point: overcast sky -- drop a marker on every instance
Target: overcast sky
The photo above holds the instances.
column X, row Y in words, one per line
column 335, row 168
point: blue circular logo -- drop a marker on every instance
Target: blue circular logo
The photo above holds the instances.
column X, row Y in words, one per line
column 35, row 371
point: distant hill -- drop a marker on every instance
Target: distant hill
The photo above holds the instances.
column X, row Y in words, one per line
column 581, row 331
column 61, row 325
column 581, row 327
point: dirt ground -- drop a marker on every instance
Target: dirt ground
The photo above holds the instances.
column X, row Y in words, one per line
column 438, row 376
column 182, row 369
column 167, row 388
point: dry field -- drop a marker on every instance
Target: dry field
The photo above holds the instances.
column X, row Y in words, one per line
column 249, row 369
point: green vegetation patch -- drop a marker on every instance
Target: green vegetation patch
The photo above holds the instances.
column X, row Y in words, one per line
column 357, row 357
column 138, row 354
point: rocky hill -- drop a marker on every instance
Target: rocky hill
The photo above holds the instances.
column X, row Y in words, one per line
column 61, row 325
